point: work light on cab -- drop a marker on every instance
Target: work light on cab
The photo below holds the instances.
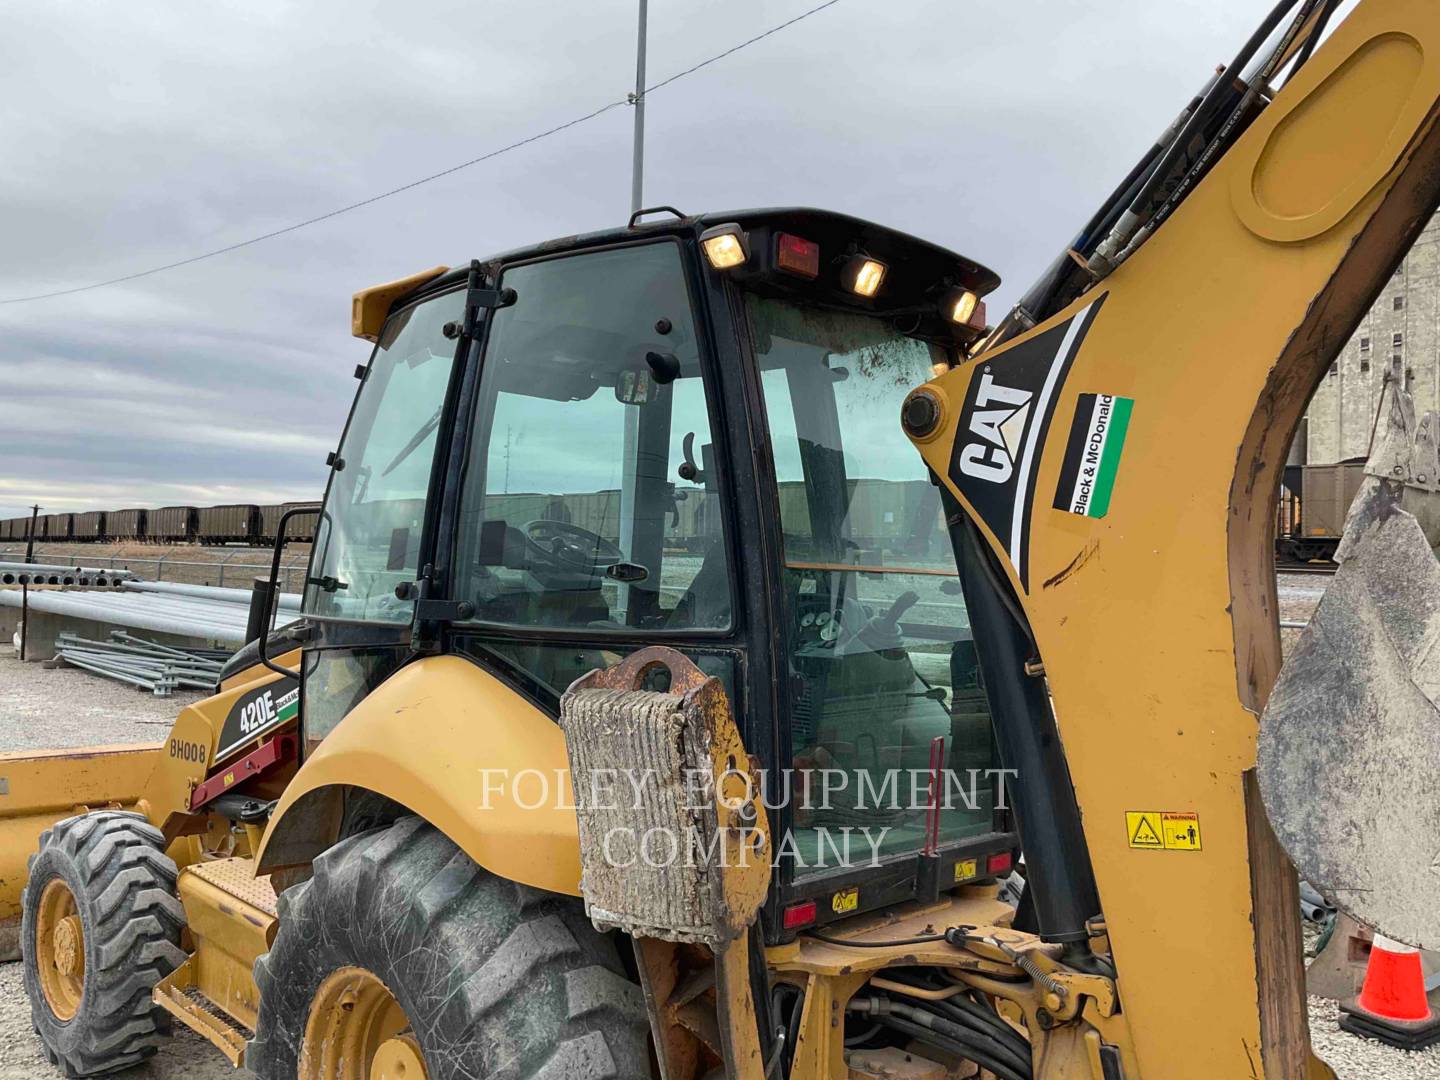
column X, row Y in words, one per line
column 796, row 255
column 963, row 308
column 725, row 246
column 863, row 276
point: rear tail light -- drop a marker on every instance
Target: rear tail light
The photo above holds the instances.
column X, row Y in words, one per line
column 802, row 914
column 999, row 864
column 796, row 255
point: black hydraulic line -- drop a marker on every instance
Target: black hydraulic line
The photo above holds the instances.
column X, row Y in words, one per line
column 1043, row 795
column 1064, row 278
column 1321, row 21
column 923, row 939
column 970, row 1013
column 1236, row 121
column 1001, row 1034
column 996, row 582
column 1009, row 1047
column 787, row 1036
column 1005, row 1068
column 973, row 1014
column 962, row 1006
column 864, row 1036
column 1202, row 115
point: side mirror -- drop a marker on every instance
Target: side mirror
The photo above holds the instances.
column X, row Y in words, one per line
column 264, row 594
column 635, row 386
column 272, row 586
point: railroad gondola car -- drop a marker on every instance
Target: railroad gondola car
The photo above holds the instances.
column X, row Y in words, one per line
column 90, row 526
column 230, row 523
column 1309, row 529
column 171, row 524
column 300, row 529
column 56, row 527
column 269, row 522
column 124, row 524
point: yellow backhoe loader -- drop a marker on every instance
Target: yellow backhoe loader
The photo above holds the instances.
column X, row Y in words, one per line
column 657, row 710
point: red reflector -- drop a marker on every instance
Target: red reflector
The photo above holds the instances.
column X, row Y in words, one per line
column 799, row 914
column 797, row 256
column 999, row 864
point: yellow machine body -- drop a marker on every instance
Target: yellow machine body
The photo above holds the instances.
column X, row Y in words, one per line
column 37, row 789
column 432, row 737
column 1157, row 622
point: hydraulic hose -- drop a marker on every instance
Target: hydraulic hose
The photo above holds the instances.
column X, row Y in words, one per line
column 974, row 1023
column 986, row 1052
column 1135, row 215
column 1009, row 1048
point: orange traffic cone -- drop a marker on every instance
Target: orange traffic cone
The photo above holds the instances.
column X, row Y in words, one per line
column 1392, row 1006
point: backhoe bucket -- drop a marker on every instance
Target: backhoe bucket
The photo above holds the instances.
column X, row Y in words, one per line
column 39, row 788
column 1349, row 751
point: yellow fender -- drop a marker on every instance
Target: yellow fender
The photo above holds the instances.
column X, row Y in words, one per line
column 447, row 740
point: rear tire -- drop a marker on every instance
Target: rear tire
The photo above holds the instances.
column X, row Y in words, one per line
column 495, row 979
column 106, row 878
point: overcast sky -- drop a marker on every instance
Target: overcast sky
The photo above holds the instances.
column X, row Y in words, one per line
column 136, row 134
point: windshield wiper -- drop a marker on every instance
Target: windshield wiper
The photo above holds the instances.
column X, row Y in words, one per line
column 415, row 440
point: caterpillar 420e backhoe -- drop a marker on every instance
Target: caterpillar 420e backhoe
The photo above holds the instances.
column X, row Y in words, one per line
column 627, row 522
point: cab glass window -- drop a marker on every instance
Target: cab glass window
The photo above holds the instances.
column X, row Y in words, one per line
column 590, row 495
column 368, row 538
column 882, row 666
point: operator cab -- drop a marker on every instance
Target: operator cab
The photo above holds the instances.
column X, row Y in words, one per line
column 686, row 432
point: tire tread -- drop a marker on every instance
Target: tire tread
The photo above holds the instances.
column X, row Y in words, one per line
column 124, row 886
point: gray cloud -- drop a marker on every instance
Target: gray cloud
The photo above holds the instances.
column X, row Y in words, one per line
column 142, row 133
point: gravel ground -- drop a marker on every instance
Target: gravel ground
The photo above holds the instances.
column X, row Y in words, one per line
column 99, row 711
column 92, row 711
column 1361, row 1059
column 1298, row 596
column 64, row 706
column 185, row 1057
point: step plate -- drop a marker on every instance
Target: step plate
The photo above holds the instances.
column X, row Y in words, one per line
column 236, row 877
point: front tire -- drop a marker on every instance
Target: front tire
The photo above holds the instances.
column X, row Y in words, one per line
column 99, row 927
column 402, row 948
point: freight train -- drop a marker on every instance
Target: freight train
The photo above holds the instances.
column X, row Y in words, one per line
column 1314, row 502
column 879, row 511
column 233, row 523
column 1309, row 516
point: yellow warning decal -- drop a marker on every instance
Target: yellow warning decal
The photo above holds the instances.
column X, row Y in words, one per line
column 1163, row 830
column 1182, row 831
column 845, row 900
column 965, row 869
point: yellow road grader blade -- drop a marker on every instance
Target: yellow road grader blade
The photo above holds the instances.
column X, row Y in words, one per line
column 39, row 788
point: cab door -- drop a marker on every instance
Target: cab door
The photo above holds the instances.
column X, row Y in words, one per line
column 590, row 517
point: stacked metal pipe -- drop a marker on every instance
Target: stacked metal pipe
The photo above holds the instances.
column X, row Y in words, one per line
column 191, row 611
column 20, row 573
column 147, row 665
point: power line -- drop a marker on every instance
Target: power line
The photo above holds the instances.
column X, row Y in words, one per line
column 272, row 234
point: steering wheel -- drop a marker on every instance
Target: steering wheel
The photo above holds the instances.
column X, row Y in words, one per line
column 569, row 547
